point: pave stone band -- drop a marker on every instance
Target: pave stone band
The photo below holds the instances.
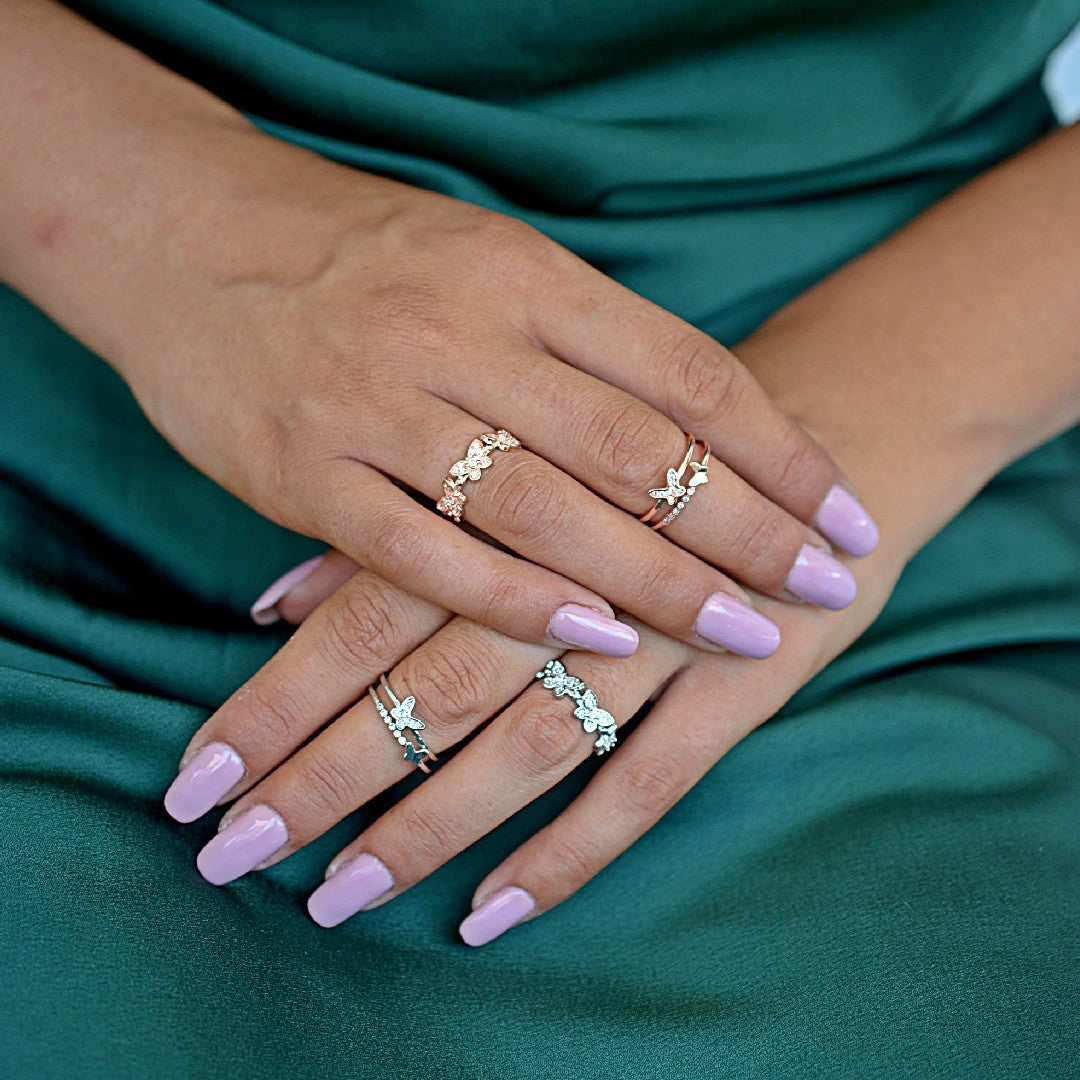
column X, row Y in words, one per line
column 562, row 684
column 471, row 467
column 399, row 719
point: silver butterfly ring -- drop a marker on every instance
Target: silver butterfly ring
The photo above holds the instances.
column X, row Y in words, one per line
column 562, row 684
column 403, row 725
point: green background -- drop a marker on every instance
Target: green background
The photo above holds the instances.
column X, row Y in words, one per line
column 882, row 881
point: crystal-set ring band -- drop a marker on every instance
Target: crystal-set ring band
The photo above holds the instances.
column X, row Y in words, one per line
column 471, row 467
column 403, row 725
column 676, row 494
column 562, row 684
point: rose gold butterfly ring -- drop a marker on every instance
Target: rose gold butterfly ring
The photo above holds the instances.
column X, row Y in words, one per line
column 471, row 467
column 676, row 494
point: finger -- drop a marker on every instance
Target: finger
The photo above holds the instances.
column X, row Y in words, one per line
column 297, row 593
column 553, row 520
column 522, row 753
column 457, row 679
column 672, row 748
column 620, row 447
column 610, row 331
column 363, row 628
column 371, row 521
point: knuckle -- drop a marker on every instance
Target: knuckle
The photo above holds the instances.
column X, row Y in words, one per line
column 660, row 580
column 550, row 737
column 756, row 541
column 504, row 248
column 505, row 591
column 524, row 499
column 325, row 786
column 629, row 445
column 572, row 858
column 411, row 313
column 651, row 785
column 275, row 714
column 703, row 379
column 455, row 684
column 418, row 831
column 362, row 626
column 798, row 460
column 399, row 546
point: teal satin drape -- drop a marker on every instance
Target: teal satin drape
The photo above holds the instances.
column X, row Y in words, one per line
column 880, row 882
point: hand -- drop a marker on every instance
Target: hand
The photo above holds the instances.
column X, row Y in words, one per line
column 399, row 327
column 457, row 678
column 312, row 337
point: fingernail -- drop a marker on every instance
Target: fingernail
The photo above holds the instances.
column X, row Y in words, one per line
column 819, row 578
column 842, row 519
column 585, row 628
column 203, row 780
column 728, row 622
column 501, row 910
column 358, row 883
column 264, row 611
column 249, row 840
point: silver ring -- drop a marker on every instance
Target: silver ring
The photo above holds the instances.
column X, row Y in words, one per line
column 562, row 684
column 403, row 725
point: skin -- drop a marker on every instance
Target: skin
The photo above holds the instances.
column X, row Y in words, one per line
column 938, row 357
column 338, row 330
column 960, row 290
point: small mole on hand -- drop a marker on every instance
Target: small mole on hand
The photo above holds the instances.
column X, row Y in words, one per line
column 50, row 230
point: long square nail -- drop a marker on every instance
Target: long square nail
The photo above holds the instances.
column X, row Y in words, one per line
column 502, row 909
column 248, row 840
column 733, row 625
column 584, row 628
column 202, row 782
column 842, row 519
column 357, row 883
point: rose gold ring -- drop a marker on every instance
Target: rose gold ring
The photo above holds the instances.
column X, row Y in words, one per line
column 471, row 467
column 675, row 494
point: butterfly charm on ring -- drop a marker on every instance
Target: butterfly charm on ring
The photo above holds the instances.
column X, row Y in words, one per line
column 673, row 491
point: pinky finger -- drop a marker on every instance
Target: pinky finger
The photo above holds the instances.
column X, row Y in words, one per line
column 659, row 763
column 299, row 591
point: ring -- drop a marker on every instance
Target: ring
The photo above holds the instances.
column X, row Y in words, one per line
column 675, row 493
column 471, row 467
column 399, row 719
column 593, row 718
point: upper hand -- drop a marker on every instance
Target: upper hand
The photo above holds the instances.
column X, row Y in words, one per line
column 321, row 337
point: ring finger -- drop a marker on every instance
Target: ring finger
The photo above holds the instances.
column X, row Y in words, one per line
column 527, row 749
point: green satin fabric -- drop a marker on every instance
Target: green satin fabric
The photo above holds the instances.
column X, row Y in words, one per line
column 880, row 882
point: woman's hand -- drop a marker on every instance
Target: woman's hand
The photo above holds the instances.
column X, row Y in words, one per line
column 454, row 680
column 315, row 338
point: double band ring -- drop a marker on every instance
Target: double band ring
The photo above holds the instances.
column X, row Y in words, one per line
column 403, row 725
column 562, row 684
column 471, row 467
column 675, row 493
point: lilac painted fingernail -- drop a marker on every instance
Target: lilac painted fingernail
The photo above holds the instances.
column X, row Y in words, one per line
column 585, row 628
column 359, row 882
column 264, row 610
column 214, row 770
column 249, row 839
column 501, row 910
column 728, row 622
column 842, row 519
column 819, row 578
